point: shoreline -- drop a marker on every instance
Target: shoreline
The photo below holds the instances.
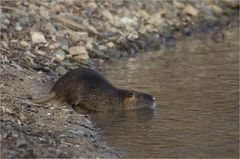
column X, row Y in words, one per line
column 42, row 40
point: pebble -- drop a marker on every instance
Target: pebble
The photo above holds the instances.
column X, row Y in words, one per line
column 110, row 44
column 216, row 9
column 106, row 13
column 79, row 51
column 133, row 36
column 231, row 3
column 62, row 41
column 40, row 52
column 77, row 36
column 24, row 43
column 77, row 132
column 156, row 19
column 128, row 21
column 190, row 10
column 18, row 27
column 178, row 4
column 102, row 47
column 38, row 37
column 44, row 12
column 50, row 27
column 60, row 55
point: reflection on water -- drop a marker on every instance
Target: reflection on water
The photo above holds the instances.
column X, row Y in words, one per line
column 196, row 86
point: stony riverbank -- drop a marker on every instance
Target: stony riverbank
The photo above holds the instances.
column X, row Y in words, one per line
column 87, row 32
column 41, row 40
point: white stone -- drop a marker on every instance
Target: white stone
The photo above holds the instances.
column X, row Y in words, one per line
column 216, row 9
column 18, row 28
column 128, row 21
column 133, row 36
column 60, row 55
column 38, row 37
column 156, row 19
column 92, row 5
column 89, row 45
column 178, row 4
column 110, row 44
column 190, row 10
column 23, row 43
column 40, row 52
column 108, row 15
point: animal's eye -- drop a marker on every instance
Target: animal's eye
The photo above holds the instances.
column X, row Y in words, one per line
column 131, row 95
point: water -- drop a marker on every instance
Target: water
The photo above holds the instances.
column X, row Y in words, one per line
column 196, row 86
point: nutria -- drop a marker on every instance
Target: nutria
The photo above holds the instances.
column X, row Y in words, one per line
column 87, row 89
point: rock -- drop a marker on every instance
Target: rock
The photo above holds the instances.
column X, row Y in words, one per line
column 59, row 8
column 133, row 36
column 110, row 44
column 128, row 21
column 130, row 28
column 231, row 3
column 54, row 46
column 24, row 43
column 95, row 53
column 50, row 27
column 44, row 12
column 143, row 14
column 108, row 15
column 77, row 132
column 18, row 27
column 156, row 19
column 60, row 55
column 63, row 41
column 24, row 20
column 21, row 143
column 178, row 4
column 68, row 2
column 102, row 47
column 4, row 44
column 38, row 37
column 216, row 9
column 77, row 36
column 92, row 5
column 89, row 45
column 142, row 29
column 150, row 28
column 80, row 52
column 190, row 10
column 16, row 65
column 40, row 52
column 92, row 29
column 61, row 70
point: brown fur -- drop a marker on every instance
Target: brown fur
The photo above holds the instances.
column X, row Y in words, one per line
column 86, row 89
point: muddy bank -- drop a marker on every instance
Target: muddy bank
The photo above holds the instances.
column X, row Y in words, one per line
column 40, row 40
column 29, row 130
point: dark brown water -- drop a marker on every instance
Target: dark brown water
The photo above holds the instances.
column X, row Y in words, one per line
column 196, row 86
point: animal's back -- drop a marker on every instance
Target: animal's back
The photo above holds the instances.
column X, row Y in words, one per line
column 76, row 85
column 87, row 89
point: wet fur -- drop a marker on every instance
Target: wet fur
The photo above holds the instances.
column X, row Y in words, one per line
column 87, row 89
